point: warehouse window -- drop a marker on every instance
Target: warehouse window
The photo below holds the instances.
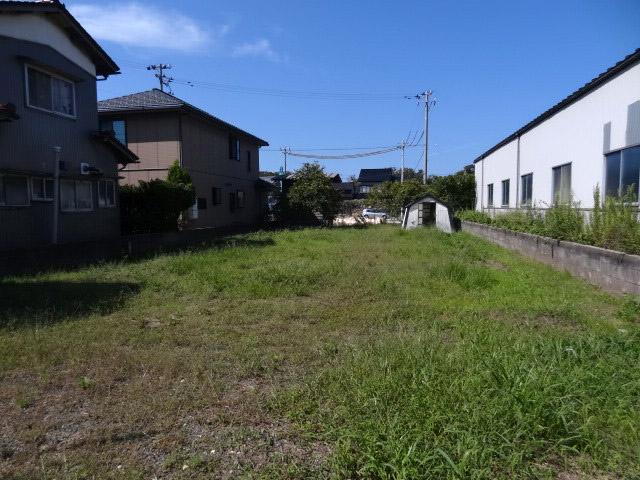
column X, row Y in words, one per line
column 490, row 195
column 505, row 193
column 562, row 184
column 622, row 173
column 527, row 187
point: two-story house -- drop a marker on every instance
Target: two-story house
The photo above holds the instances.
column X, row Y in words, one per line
column 222, row 159
column 372, row 177
column 58, row 173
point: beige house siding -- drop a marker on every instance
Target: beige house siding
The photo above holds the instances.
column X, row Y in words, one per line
column 206, row 157
column 160, row 138
column 155, row 139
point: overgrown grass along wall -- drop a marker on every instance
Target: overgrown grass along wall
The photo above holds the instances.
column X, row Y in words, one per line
column 614, row 225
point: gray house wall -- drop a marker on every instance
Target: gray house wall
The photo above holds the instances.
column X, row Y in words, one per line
column 26, row 149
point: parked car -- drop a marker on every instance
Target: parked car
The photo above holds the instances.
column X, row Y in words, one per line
column 372, row 213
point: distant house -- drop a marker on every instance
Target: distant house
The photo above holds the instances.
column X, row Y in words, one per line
column 222, row 159
column 348, row 190
column 49, row 65
column 589, row 139
column 371, row 177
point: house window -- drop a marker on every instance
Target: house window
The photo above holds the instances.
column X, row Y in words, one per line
column 50, row 92
column 234, row 148
column 106, row 193
column 14, row 191
column 248, row 160
column 527, row 186
column 216, row 196
column 202, row 203
column 490, row 195
column 76, row 196
column 42, row 189
column 240, row 199
column 622, row 172
column 117, row 127
column 365, row 189
column 505, row 193
column 562, row 183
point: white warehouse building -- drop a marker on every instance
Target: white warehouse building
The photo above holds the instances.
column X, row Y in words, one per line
column 589, row 139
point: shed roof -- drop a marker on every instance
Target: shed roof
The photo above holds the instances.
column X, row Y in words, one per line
column 604, row 77
column 57, row 13
column 157, row 100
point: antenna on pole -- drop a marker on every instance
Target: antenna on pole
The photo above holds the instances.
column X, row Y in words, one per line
column 164, row 80
column 429, row 102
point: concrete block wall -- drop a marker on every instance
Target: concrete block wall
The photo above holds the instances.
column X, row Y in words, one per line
column 615, row 272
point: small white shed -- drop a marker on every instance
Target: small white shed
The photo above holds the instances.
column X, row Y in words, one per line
column 428, row 211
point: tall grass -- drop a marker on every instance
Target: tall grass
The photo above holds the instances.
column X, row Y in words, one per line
column 613, row 225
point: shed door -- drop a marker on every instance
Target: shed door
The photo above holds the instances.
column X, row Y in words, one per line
column 427, row 213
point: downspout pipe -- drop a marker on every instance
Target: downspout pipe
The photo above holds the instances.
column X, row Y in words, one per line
column 56, row 194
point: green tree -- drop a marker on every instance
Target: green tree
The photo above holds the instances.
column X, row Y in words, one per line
column 178, row 175
column 392, row 196
column 312, row 191
column 458, row 191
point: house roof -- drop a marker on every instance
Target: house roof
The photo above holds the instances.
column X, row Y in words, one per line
column 156, row 100
column 375, row 175
column 57, row 13
column 604, row 77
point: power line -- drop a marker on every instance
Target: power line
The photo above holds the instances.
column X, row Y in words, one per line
column 343, row 157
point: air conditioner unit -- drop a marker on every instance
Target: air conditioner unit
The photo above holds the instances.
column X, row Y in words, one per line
column 86, row 169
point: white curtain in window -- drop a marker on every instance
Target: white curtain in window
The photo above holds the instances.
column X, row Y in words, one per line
column 62, row 96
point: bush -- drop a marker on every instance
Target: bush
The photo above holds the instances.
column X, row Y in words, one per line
column 615, row 226
column 153, row 206
column 475, row 216
column 458, row 191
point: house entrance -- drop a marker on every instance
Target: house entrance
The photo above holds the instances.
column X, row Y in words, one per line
column 427, row 213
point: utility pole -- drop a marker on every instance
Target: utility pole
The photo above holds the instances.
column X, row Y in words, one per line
column 164, row 80
column 426, row 97
column 402, row 146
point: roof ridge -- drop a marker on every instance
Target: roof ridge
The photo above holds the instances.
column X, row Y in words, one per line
column 585, row 89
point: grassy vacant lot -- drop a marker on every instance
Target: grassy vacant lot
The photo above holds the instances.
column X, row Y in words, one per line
column 343, row 353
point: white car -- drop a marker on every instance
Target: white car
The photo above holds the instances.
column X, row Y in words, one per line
column 372, row 213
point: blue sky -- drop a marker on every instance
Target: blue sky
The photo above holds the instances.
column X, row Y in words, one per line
column 493, row 66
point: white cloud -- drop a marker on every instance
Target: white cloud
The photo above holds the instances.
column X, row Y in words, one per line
column 259, row 48
column 136, row 24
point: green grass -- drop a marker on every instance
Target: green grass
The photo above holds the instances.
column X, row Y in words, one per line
column 338, row 353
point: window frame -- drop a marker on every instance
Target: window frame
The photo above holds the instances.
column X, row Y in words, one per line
column 43, row 180
column 234, row 148
column 620, row 191
column 507, row 182
column 490, row 197
column 3, row 191
column 553, row 192
column 249, row 161
column 364, row 189
column 75, row 192
column 113, row 186
column 524, row 201
column 28, row 66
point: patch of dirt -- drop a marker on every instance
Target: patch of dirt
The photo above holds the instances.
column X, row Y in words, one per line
column 495, row 264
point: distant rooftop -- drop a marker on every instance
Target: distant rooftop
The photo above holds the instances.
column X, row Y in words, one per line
column 157, row 100
column 372, row 175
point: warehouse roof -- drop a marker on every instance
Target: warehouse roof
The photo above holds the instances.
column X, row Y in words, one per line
column 604, row 77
